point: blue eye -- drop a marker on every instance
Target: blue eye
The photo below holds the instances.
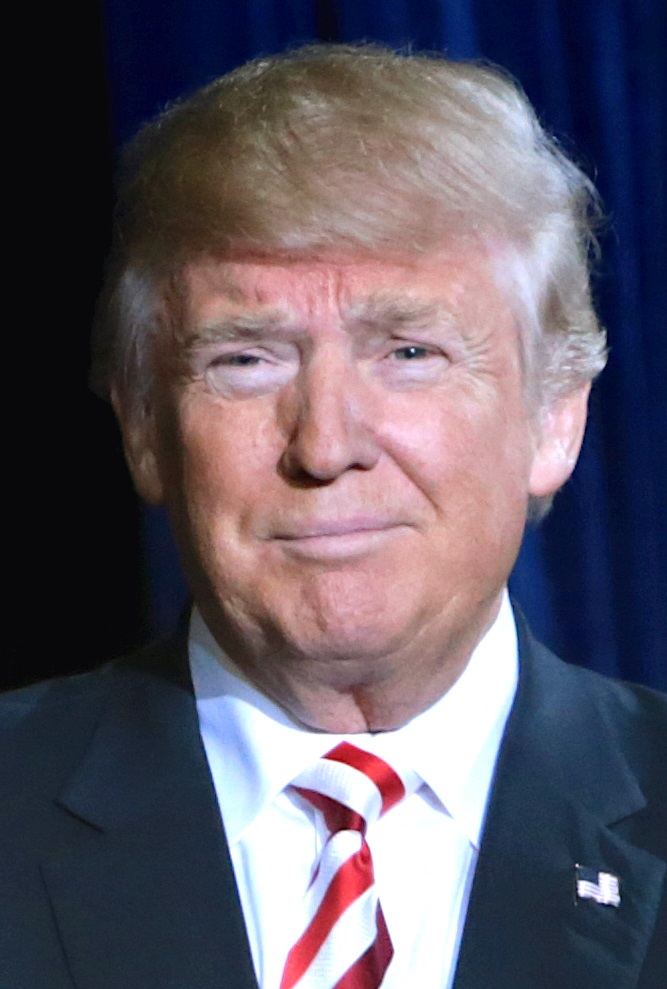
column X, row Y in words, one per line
column 410, row 352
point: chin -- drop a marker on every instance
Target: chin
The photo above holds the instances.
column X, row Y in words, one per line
column 338, row 643
column 350, row 629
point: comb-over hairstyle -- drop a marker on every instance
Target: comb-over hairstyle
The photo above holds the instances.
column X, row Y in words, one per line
column 361, row 149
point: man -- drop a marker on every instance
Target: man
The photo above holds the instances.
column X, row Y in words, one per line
column 349, row 339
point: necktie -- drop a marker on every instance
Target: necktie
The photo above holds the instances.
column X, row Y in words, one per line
column 346, row 944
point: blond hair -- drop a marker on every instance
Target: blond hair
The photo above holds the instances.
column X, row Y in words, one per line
column 360, row 148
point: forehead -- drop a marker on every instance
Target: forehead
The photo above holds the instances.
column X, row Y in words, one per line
column 353, row 288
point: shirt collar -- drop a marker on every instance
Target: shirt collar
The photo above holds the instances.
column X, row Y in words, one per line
column 255, row 749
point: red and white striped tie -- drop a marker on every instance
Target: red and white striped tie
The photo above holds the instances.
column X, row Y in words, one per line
column 346, row 944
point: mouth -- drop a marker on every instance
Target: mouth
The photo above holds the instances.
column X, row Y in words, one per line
column 337, row 539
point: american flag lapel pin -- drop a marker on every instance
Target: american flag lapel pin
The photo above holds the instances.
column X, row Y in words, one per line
column 602, row 887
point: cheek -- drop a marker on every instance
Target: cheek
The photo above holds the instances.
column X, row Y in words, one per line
column 461, row 452
column 473, row 470
column 224, row 463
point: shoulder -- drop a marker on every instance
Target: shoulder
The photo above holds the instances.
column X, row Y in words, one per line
column 50, row 724
column 51, row 700
column 577, row 713
column 620, row 702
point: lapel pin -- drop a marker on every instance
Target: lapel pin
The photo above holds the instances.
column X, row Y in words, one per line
column 602, row 887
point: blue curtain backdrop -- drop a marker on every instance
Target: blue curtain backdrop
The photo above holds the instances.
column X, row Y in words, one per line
column 593, row 578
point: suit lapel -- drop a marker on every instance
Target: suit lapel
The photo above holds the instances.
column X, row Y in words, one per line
column 561, row 788
column 147, row 896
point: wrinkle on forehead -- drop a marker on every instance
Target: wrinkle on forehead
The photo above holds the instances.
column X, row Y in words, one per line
column 293, row 292
column 238, row 279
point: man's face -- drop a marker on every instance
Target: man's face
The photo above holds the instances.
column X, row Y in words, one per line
column 346, row 456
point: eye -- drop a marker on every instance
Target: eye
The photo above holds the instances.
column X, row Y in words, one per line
column 237, row 360
column 411, row 352
column 246, row 373
column 411, row 365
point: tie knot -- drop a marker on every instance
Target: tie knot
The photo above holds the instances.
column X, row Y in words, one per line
column 352, row 787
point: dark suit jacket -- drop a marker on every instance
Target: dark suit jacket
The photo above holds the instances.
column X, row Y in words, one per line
column 115, row 873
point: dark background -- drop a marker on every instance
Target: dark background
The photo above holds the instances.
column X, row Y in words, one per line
column 88, row 573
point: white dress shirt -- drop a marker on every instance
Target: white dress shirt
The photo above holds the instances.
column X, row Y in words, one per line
column 424, row 849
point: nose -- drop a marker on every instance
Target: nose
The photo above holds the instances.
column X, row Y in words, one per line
column 332, row 424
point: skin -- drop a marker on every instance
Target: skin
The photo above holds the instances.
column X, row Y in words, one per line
column 346, row 456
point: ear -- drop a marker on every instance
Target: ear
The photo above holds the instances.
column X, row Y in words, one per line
column 140, row 441
column 561, row 432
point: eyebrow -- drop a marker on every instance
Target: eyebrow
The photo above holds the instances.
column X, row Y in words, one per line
column 242, row 326
column 381, row 312
column 387, row 311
